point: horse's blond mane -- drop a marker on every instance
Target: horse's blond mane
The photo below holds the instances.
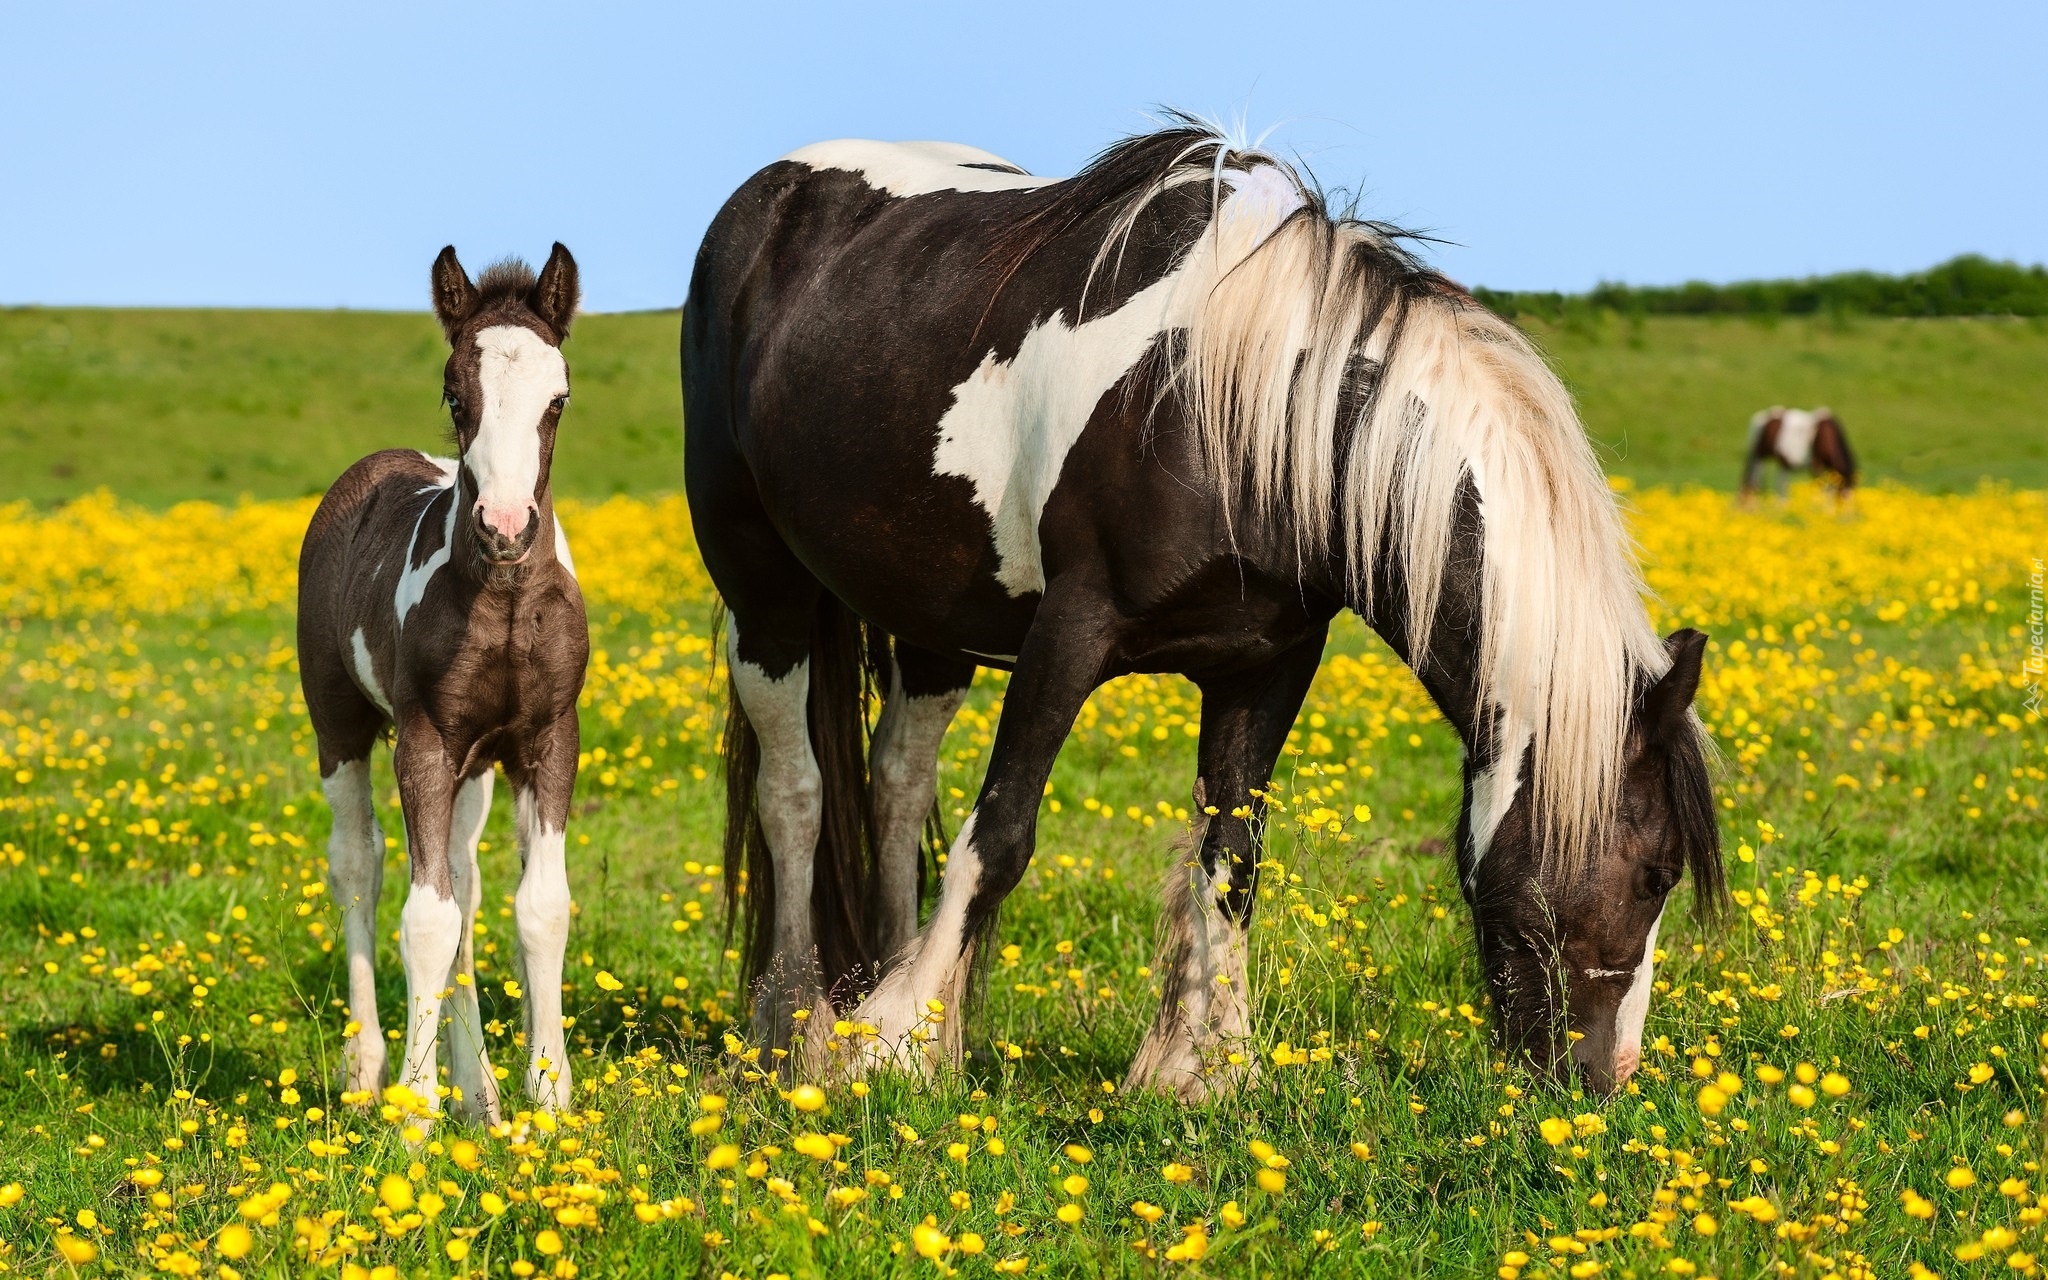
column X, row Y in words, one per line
column 1290, row 314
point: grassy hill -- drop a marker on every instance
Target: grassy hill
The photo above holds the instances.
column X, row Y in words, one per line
column 165, row 405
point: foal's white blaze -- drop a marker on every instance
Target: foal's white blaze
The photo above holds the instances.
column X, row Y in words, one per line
column 1634, row 1008
column 1013, row 422
column 366, row 671
column 520, row 374
column 413, row 580
column 916, row 168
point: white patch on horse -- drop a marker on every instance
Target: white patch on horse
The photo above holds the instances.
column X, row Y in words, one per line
column 1634, row 1009
column 448, row 467
column 916, row 168
column 412, row 583
column 562, row 547
column 1493, row 792
column 1210, row 1001
column 934, row 969
column 1012, row 423
column 366, row 671
column 1795, row 437
column 541, row 907
column 519, row 374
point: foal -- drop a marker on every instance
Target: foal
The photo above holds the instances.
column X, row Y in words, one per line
column 437, row 599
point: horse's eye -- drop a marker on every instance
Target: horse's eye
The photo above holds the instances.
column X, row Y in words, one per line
column 1658, row 881
column 453, row 401
column 560, row 402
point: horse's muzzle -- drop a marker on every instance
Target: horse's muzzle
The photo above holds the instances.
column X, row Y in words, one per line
column 505, row 534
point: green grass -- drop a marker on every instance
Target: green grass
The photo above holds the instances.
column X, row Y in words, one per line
column 191, row 723
column 160, row 406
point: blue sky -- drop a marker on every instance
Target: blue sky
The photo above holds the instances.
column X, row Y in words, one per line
column 319, row 155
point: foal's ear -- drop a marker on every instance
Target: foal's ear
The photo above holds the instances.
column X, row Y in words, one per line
column 557, row 292
column 1666, row 702
column 454, row 296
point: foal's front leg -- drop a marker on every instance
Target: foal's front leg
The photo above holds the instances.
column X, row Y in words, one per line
column 543, row 783
column 469, row 1065
column 430, row 927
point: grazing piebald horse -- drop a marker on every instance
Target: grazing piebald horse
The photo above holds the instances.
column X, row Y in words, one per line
column 437, row 599
column 1169, row 415
column 1796, row 438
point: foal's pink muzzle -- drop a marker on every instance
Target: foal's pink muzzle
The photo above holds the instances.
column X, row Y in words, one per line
column 505, row 530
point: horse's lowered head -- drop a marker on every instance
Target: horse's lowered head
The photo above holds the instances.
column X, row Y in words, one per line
column 1568, row 949
column 505, row 386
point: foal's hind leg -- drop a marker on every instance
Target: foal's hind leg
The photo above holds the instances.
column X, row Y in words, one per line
column 355, row 879
column 469, row 1063
column 1206, row 1004
column 925, row 692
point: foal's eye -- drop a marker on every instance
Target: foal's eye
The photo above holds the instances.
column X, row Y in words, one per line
column 1658, row 881
column 560, row 402
column 453, row 401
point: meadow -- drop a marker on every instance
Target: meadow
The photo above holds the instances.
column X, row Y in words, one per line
column 166, row 406
column 1843, row 1078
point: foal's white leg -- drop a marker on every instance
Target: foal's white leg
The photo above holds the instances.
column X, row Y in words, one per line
column 469, row 1063
column 429, row 934
column 355, row 877
column 904, row 768
column 789, row 793
column 542, row 908
column 1205, row 1008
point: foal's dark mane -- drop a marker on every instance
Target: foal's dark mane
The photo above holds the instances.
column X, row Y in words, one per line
column 506, row 280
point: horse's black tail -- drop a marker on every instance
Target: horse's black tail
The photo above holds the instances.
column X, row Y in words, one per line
column 845, row 657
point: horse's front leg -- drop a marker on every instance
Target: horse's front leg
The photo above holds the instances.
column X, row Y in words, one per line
column 543, row 783
column 915, row 1013
column 430, row 926
column 1205, row 1011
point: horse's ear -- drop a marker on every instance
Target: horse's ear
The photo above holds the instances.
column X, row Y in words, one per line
column 557, row 292
column 1666, row 702
column 454, row 296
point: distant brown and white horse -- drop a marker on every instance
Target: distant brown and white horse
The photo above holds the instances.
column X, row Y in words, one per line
column 1797, row 438
column 437, row 598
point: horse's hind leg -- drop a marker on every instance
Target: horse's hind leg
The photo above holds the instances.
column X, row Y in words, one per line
column 771, row 675
column 925, row 691
column 469, row 1063
column 1206, row 1004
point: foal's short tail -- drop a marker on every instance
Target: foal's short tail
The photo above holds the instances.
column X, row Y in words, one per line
column 846, row 658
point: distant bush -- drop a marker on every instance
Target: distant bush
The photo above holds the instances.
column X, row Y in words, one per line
column 1970, row 285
